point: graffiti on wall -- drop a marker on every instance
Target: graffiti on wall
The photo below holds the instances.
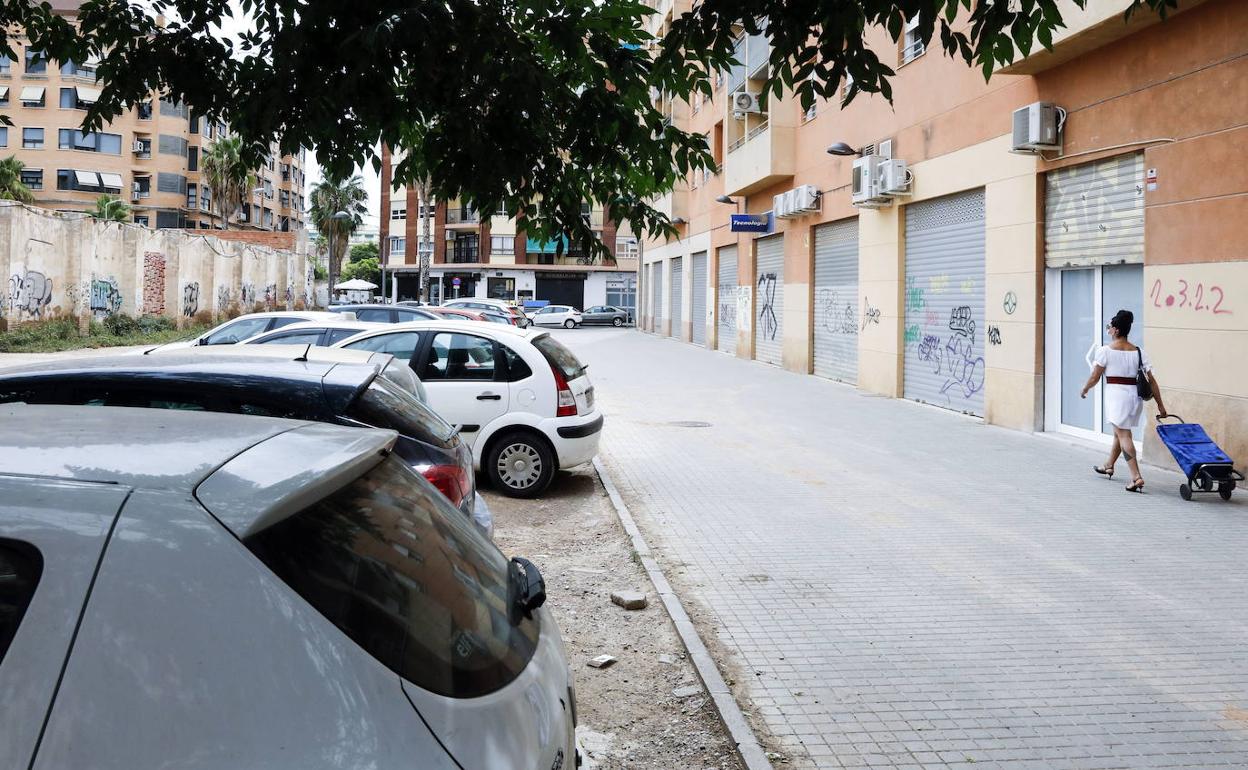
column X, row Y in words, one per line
column 290, row 296
column 153, row 283
column 190, row 299
column 745, row 305
column 870, row 315
column 994, row 335
column 30, row 292
column 768, row 323
column 105, row 297
column 727, row 309
column 246, row 296
column 835, row 314
column 1198, row 298
column 270, row 295
column 950, row 351
column 223, row 298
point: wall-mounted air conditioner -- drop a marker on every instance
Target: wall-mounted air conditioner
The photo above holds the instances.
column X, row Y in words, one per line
column 894, row 178
column 806, row 199
column 865, row 185
column 778, row 209
column 1038, row 127
column 745, row 101
column 136, row 196
column 138, row 147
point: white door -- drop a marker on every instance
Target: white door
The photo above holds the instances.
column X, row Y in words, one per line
column 460, row 376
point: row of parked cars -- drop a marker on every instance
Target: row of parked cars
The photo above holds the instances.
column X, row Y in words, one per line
column 264, row 547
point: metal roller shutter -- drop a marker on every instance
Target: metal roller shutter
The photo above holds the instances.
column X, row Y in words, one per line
column 726, row 312
column 1094, row 213
column 656, row 296
column 836, row 301
column 697, row 309
column 944, row 334
column 678, row 284
column 769, row 283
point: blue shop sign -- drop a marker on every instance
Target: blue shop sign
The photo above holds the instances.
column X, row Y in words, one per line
column 751, row 223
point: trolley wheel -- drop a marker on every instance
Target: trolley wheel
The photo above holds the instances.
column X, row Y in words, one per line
column 1225, row 488
column 1185, row 492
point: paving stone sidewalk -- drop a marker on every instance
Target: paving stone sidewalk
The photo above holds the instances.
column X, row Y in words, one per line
column 903, row 587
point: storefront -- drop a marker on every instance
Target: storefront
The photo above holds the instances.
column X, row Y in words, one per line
column 769, row 285
column 726, row 310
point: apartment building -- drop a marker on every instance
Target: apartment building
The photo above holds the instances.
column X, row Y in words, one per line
column 965, row 245
column 148, row 157
column 487, row 254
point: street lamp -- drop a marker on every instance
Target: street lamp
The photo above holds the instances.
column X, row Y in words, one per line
column 840, row 148
column 330, row 237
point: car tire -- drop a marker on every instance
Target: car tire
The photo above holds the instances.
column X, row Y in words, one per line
column 519, row 464
column 617, row 321
column 569, row 324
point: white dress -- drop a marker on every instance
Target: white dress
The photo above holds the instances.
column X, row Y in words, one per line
column 1123, row 406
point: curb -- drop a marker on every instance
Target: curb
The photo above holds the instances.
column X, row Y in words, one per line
column 748, row 748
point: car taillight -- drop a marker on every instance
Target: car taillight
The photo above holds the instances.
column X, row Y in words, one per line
column 451, row 480
column 566, row 402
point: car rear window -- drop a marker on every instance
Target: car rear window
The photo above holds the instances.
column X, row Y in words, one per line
column 20, row 568
column 385, row 405
column 409, row 579
column 559, row 356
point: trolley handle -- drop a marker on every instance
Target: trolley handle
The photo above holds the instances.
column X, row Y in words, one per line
column 1175, row 416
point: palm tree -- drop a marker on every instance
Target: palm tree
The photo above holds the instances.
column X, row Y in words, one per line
column 111, row 209
column 330, row 197
column 228, row 178
column 11, row 186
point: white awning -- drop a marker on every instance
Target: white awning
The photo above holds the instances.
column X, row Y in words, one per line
column 4, row 93
column 112, row 181
column 87, row 178
column 88, row 95
column 32, row 94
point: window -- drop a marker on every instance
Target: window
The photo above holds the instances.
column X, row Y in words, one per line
column 397, row 246
column 4, row 96
column 398, row 213
column 73, row 139
column 171, row 183
column 338, row 335
column 69, row 99
column 385, row 404
column 502, row 244
column 559, row 356
column 466, row 248
column 71, row 70
column 172, row 109
column 192, row 159
column 171, row 145
column 377, row 558
column 33, row 178
column 626, row 247
column 308, row 337
column 20, row 568
column 194, row 124
column 169, row 220
column 6, row 65
column 236, row 332
column 912, row 44
column 144, row 110
column 401, row 345
column 34, row 96
column 36, row 62
column 281, row 321
column 374, row 315
column 143, row 186
column 32, row 138
column 517, row 369
column 4, row 136
column 192, row 200
column 142, row 220
column 459, row 357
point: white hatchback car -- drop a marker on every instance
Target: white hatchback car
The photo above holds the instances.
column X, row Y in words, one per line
column 522, row 400
column 557, row 315
column 252, row 324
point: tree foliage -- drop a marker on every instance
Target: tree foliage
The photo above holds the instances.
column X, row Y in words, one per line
column 329, row 197
column 110, row 209
column 11, row 186
column 363, row 251
column 229, row 175
column 504, row 101
column 368, row 268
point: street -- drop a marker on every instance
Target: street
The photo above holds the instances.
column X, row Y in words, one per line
column 893, row 585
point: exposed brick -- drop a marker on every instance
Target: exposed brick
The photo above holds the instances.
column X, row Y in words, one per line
column 153, row 283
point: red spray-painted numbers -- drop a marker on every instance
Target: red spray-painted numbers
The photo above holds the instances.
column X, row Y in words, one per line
column 1210, row 299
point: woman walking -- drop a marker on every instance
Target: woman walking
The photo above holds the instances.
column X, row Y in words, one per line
column 1120, row 361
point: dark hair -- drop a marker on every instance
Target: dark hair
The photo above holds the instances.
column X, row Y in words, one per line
column 1122, row 321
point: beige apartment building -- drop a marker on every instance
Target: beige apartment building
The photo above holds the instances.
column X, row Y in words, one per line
column 965, row 245
column 148, row 157
column 475, row 254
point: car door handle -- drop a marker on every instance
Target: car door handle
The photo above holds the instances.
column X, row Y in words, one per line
column 489, row 397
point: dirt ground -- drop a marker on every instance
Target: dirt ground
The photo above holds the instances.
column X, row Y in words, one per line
column 629, row 715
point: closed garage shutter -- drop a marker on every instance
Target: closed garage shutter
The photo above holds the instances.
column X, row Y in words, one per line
column 678, row 279
column 656, row 296
column 726, row 312
column 769, row 284
column 562, row 289
column 944, row 334
column 836, row 300
column 1094, row 213
column 697, row 310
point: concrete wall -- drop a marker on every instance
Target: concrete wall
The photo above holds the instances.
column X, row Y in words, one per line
column 58, row 265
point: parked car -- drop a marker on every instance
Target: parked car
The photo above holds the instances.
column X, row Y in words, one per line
column 521, row 399
column 459, row 314
column 286, row 384
column 251, row 324
column 485, row 304
column 319, row 333
column 386, row 314
column 606, row 314
column 226, row 591
column 558, row 315
column 500, row 318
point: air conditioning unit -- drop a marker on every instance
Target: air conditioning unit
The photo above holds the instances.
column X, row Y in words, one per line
column 136, row 188
column 450, row 235
column 894, row 178
column 865, row 187
column 806, row 199
column 745, row 101
column 1038, row 127
column 779, row 209
column 139, row 147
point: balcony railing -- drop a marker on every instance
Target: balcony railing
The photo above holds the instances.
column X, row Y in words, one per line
column 756, row 130
column 462, row 216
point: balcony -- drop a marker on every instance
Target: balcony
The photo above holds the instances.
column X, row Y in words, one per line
column 461, row 215
column 763, row 156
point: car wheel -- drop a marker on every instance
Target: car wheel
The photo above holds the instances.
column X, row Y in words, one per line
column 568, row 324
column 617, row 321
column 519, row 464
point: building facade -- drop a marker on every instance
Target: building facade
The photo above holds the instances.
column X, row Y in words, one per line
column 983, row 281
column 475, row 254
column 148, row 157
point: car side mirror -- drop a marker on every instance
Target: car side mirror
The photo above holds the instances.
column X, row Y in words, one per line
column 527, row 588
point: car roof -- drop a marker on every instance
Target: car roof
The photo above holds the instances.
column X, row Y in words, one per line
column 278, row 352
column 453, row 325
column 338, row 322
column 286, row 314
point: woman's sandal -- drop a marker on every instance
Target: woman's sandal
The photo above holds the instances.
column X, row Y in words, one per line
column 1136, row 486
column 1107, row 471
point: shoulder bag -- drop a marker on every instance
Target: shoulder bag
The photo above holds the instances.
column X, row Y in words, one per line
column 1142, row 385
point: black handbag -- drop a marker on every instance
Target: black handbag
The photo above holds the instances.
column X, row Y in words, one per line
column 1142, row 385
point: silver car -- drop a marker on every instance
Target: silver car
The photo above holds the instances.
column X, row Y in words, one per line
column 207, row 591
column 605, row 314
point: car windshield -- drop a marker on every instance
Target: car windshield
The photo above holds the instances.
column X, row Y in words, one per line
column 409, row 579
column 383, row 404
column 559, row 356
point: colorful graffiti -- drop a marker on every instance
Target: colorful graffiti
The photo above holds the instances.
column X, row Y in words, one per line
column 30, row 293
column 105, row 297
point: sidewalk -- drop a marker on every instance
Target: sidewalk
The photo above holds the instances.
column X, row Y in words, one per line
column 897, row 586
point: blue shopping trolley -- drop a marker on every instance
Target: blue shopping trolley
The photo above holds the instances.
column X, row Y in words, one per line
column 1207, row 467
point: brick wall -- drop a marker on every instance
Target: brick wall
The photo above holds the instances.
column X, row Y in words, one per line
column 153, row 283
column 272, row 240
